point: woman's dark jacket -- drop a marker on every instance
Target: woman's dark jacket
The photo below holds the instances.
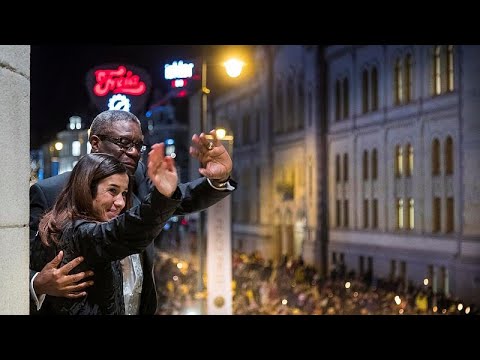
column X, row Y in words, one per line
column 101, row 244
column 197, row 195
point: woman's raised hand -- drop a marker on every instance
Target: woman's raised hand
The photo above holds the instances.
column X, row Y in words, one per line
column 162, row 170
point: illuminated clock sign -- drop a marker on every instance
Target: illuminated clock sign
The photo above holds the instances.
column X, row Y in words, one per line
column 119, row 102
column 119, row 86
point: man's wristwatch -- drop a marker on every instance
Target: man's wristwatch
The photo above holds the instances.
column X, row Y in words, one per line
column 220, row 184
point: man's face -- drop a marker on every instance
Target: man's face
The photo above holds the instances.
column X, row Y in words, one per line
column 121, row 132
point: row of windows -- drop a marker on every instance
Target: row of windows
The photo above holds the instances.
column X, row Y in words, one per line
column 442, row 80
column 448, row 160
column 400, row 167
column 290, row 106
column 437, row 215
column 338, row 177
column 405, row 214
column 404, row 161
column 405, row 210
column 403, row 80
column 343, row 206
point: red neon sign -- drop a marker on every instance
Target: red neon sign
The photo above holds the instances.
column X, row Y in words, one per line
column 118, row 81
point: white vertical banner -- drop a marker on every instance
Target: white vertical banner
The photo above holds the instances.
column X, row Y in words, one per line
column 219, row 258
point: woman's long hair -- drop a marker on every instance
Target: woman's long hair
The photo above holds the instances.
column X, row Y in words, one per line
column 76, row 199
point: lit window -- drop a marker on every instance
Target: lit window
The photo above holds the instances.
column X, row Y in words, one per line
column 411, row 214
column 399, row 161
column 400, row 213
column 398, row 82
column 76, row 148
column 450, row 78
column 437, row 80
column 410, row 160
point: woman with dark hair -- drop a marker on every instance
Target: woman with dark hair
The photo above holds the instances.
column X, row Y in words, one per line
column 89, row 220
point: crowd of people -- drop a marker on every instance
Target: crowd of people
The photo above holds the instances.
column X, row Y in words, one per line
column 291, row 287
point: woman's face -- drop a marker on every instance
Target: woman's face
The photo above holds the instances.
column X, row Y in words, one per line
column 111, row 196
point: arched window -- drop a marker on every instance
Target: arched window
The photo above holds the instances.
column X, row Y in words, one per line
column 346, row 102
column 436, row 214
column 345, row 213
column 279, row 109
column 301, row 103
column 437, row 71
column 365, row 93
column 435, row 157
column 337, row 168
column 398, row 91
column 410, row 159
column 408, row 78
column 338, row 102
column 450, row 225
column 374, row 89
column 338, row 212
column 411, row 214
column 400, row 210
column 450, row 69
column 398, row 161
column 365, row 213
column 375, row 213
column 365, row 165
column 374, row 164
column 449, row 156
column 289, row 120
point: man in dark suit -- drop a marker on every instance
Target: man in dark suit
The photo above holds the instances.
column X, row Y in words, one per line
column 119, row 133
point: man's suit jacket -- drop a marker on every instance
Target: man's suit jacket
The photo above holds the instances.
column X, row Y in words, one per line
column 197, row 195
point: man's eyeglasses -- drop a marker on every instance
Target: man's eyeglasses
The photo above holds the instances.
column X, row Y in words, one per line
column 124, row 144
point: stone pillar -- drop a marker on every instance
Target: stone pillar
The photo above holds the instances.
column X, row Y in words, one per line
column 14, row 178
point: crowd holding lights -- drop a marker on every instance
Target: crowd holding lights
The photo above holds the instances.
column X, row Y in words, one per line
column 291, row 287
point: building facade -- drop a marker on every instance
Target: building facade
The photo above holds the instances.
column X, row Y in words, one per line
column 366, row 155
column 402, row 184
column 274, row 117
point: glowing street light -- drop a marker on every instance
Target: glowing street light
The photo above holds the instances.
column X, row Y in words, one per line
column 58, row 145
column 234, row 67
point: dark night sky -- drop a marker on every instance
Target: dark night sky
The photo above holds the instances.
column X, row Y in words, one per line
column 58, row 72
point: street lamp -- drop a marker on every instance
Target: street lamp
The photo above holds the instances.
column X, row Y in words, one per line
column 219, row 298
column 233, row 68
column 219, row 249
